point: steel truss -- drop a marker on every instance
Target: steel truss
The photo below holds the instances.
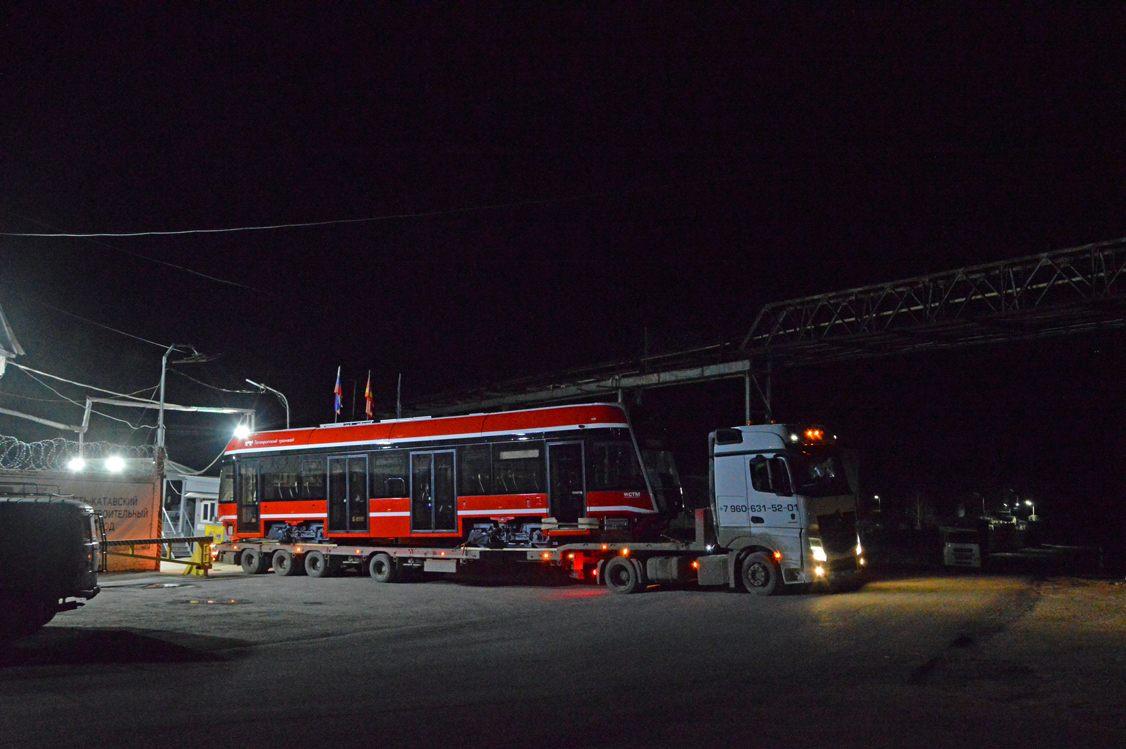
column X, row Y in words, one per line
column 1055, row 293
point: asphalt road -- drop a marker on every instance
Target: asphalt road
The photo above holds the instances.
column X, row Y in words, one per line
column 242, row 661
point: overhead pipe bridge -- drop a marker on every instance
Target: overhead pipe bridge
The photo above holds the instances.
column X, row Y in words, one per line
column 1076, row 290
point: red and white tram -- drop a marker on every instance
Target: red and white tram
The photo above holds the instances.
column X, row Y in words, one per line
column 498, row 479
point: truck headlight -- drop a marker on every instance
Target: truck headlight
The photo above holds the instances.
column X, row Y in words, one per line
column 819, row 553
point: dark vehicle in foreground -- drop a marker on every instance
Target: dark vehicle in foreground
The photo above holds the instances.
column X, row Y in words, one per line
column 50, row 557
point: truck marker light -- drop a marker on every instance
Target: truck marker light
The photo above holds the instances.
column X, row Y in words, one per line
column 546, row 555
column 695, row 564
column 605, row 547
column 778, row 556
column 570, row 556
column 625, row 552
column 442, row 554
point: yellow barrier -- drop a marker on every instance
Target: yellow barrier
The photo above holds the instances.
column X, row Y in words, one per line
column 199, row 564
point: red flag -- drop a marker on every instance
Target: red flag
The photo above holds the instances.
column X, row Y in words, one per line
column 370, row 407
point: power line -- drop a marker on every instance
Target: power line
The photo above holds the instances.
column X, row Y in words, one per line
column 367, row 219
column 89, row 237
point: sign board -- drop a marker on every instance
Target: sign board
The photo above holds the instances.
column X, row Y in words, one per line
column 130, row 507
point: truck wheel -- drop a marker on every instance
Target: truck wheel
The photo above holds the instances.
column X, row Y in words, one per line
column 319, row 564
column 760, row 575
column 382, row 568
column 254, row 562
column 623, row 575
column 286, row 564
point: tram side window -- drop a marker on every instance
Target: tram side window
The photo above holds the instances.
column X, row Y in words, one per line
column 475, row 477
column 289, row 477
column 518, row 468
column 311, row 477
column 389, row 474
column 615, row 466
column 279, row 478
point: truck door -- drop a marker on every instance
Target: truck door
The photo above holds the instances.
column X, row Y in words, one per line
column 566, row 487
column 348, row 494
column 433, row 500
column 770, row 499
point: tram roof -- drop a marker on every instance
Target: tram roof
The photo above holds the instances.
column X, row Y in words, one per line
column 394, row 431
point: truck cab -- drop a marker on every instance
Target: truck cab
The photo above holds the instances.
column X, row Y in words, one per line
column 781, row 497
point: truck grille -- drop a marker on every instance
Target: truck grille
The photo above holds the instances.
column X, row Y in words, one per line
column 838, row 532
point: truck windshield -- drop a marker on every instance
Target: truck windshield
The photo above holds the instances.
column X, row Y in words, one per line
column 819, row 473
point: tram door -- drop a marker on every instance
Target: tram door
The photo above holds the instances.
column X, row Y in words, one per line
column 433, row 500
column 348, row 494
column 566, row 485
column 247, row 486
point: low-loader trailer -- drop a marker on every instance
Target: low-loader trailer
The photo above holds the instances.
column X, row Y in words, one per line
column 781, row 511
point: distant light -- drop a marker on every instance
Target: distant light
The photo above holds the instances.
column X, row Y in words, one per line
column 1028, row 502
column 115, row 463
column 242, row 431
column 76, row 463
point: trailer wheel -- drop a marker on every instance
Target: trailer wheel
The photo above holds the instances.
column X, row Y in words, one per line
column 286, row 565
column 254, row 562
column 382, row 568
column 319, row 564
column 760, row 575
column 623, row 575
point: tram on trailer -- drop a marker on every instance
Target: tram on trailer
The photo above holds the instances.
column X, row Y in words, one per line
column 496, row 480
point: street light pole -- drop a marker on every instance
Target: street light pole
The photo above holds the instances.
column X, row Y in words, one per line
column 160, row 415
column 275, row 392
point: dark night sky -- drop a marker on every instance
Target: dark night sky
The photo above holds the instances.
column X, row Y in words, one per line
column 556, row 179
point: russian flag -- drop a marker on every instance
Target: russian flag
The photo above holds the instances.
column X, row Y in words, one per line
column 339, row 393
